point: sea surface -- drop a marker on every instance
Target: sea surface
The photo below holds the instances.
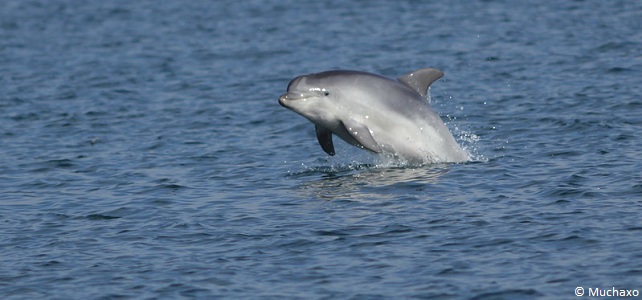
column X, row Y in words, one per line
column 143, row 153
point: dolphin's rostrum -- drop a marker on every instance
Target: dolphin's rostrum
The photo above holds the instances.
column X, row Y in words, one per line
column 376, row 113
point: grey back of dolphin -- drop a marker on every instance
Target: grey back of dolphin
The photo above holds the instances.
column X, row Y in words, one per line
column 375, row 113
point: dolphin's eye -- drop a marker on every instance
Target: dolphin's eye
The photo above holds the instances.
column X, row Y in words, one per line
column 326, row 93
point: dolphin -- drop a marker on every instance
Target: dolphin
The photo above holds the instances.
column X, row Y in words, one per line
column 386, row 116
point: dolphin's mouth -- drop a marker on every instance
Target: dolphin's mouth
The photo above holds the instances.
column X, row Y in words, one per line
column 295, row 96
column 292, row 96
column 282, row 99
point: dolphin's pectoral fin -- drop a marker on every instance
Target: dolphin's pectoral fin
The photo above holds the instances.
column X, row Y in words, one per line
column 421, row 79
column 325, row 139
column 362, row 135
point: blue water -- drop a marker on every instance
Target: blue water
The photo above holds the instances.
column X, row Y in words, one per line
column 143, row 153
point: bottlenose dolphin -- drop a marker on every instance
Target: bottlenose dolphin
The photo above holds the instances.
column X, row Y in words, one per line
column 376, row 113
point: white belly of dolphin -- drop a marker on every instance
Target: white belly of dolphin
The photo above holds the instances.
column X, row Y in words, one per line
column 414, row 139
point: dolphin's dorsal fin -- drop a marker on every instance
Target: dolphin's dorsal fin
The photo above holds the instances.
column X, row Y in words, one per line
column 421, row 79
